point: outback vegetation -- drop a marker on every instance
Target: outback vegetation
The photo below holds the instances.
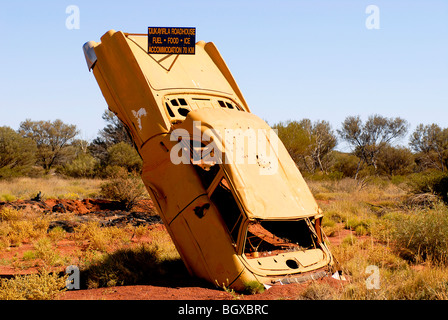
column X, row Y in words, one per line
column 385, row 203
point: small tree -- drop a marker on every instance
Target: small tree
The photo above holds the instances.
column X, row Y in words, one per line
column 395, row 161
column 125, row 187
column 345, row 163
column 83, row 166
column 309, row 144
column 323, row 142
column 52, row 139
column 296, row 141
column 431, row 144
column 369, row 138
column 124, row 155
column 17, row 154
column 114, row 132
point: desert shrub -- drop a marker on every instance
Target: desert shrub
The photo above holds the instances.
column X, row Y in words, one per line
column 7, row 197
column 29, row 255
column 395, row 161
column 403, row 284
column 57, row 233
column 351, row 213
column 124, row 155
column 429, row 284
column 18, row 230
column 330, row 227
column 253, row 287
column 431, row 181
column 346, row 164
column 328, row 222
column 41, row 286
column 69, row 196
column 360, row 230
column 110, row 171
column 140, row 231
column 384, row 257
column 9, row 214
column 353, row 222
column 397, row 280
column 46, row 251
column 419, row 234
column 318, row 291
column 100, row 238
column 349, row 240
column 36, row 172
column 83, row 166
column 125, row 187
column 398, row 179
column 361, row 225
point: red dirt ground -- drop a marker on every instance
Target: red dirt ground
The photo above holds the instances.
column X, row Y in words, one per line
column 149, row 292
column 98, row 208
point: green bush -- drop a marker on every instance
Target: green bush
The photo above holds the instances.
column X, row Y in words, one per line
column 253, row 287
column 6, row 197
column 124, row 155
column 84, row 166
column 360, row 230
column 420, row 234
column 17, row 154
column 432, row 181
column 345, row 164
column 395, row 161
column 125, row 187
column 29, row 255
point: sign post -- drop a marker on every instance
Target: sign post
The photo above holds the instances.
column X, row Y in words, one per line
column 171, row 40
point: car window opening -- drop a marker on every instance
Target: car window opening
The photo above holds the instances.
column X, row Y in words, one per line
column 183, row 111
column 170, row 112
column 269, row 238
column 182, row 102
column 229, row 105
column 227, row 206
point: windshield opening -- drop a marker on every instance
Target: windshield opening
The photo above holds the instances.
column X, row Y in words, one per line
column 268, row 238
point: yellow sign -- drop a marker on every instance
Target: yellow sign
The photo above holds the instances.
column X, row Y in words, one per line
column 171, row 40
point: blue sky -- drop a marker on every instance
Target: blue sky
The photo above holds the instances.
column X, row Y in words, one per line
column 291, row 59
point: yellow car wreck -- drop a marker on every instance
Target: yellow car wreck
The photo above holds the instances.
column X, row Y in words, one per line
column 232, row 199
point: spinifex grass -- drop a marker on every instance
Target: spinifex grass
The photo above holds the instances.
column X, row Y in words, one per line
column 50, row 187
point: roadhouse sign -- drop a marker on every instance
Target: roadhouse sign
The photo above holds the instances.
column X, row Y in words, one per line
column 171, row 40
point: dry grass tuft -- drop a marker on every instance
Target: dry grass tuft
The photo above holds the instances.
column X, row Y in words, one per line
column 52, row 187
column 41, row 286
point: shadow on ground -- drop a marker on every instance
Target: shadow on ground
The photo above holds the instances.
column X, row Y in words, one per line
column 138, row 266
